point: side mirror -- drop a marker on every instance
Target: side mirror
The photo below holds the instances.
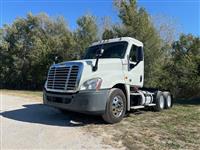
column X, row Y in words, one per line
column 56, row 60
column 99, row 52
column 139, row 54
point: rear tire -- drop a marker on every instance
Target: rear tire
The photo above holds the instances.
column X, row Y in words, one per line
column 168, row 100
column 115, row 107
column 159, row 101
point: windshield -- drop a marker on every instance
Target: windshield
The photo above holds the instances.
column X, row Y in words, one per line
column 111, row 50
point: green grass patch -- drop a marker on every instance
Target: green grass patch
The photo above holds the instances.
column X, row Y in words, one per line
column 176, row 128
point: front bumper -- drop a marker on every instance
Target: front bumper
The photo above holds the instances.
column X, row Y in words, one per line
column 91, row 102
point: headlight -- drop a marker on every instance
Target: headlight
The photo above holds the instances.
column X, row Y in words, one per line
column 92, row 84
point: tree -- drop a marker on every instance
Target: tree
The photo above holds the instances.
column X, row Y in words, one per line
column 137, row 23
column 107, row 28
column 85, row 34
column 4, row 58
column 167, row 27
column 185, row 66
column 28, row 49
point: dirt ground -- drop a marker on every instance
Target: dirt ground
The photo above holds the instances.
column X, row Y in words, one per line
column 43, row 127
column 26, row 124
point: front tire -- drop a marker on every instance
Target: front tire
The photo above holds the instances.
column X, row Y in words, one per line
column 115, row 107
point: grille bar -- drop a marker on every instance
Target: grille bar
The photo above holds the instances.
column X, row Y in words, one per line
column 64, row 78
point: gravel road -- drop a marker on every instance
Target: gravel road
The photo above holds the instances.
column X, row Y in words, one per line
column 26, row 124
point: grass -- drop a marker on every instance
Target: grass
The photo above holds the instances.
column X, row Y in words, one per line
column 176, row 128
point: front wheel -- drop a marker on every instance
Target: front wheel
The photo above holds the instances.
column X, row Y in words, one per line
column 115, row 107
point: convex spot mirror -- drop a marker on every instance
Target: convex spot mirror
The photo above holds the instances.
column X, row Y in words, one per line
column 58, row 59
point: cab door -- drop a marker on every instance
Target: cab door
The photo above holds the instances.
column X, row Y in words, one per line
column 135, row 68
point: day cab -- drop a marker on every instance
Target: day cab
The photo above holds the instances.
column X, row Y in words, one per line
column 108, row 81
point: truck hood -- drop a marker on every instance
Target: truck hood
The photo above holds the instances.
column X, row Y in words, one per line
column 109, row 70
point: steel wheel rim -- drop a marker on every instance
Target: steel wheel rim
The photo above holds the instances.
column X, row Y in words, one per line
column 117, row 106
column 169, row 101
column 162, row 102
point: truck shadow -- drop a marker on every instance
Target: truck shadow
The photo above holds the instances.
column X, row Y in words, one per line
column 41, row 114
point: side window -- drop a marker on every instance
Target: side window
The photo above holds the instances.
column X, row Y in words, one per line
column 133, row 53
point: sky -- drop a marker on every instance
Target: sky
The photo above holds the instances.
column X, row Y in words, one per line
column 186, row 13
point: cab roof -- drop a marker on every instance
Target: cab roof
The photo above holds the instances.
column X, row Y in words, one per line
column 127, row 39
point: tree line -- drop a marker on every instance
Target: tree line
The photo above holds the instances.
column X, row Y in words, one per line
column 28, row 47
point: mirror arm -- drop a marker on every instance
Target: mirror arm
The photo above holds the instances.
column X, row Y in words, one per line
column 136, row 64
column 95, row 67
column 129, row 68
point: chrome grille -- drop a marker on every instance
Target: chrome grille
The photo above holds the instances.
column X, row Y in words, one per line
column 63, row 78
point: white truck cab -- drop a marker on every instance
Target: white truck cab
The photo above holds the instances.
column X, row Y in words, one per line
column 108, row 81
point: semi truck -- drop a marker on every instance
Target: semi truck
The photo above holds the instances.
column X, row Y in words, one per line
column 107, row 81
